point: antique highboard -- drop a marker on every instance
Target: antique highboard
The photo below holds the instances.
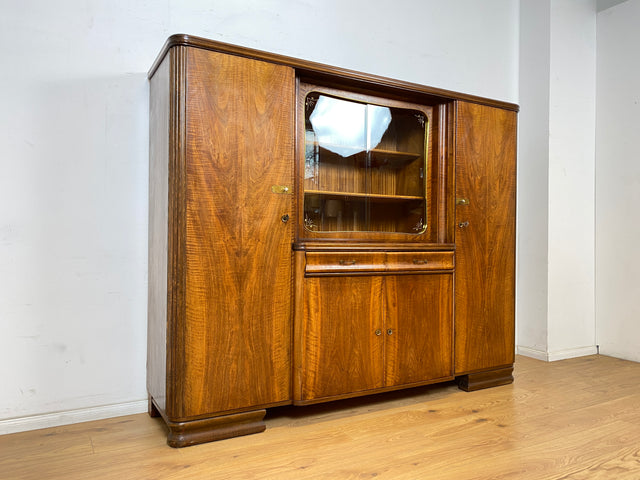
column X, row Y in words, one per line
column 317, row 233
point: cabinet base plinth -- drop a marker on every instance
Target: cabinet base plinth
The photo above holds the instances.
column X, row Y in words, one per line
column 184, row 434
column 480, row 380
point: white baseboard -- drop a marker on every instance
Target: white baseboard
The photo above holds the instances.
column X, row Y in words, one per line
column 35, row 422
column 532, row 353
column 558, row 355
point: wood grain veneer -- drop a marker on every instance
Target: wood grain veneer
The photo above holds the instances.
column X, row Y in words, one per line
column 249, row 310
column 485, row 237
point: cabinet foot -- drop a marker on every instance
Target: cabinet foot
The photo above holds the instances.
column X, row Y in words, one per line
column 184, row 434
column 480, row 380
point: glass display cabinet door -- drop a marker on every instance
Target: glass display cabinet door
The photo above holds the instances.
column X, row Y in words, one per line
column 365, row 166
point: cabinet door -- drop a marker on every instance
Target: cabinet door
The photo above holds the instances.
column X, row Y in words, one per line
column 485, row 237
column 342, row 354
column 419, row 328
column 236, row 335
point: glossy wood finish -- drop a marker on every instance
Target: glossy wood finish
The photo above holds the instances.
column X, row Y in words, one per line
column 341, row 353
column 326, row 263
column 419, row 328
column 238, row 297
column 185, row 434
column 485, row 237
column 486, row 379
column 229, row 304
column 372, row 333
column 248, row 310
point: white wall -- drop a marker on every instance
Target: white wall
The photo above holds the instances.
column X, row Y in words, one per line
column 618, row 182
column 572, row 117
column 73, row 136
column 556, row 279
column 533, row 177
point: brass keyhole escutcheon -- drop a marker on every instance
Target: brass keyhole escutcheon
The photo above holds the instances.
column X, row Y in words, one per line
column 463, row 224
column 285, row 218
column 389, row 331
column 378, row 332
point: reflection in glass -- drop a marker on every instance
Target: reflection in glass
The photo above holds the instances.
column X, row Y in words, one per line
column 339, row 126
column 364, row 167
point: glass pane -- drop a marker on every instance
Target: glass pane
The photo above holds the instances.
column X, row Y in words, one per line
column 365, row 167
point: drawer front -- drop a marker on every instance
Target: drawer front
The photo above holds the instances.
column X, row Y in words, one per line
column 326, row 263
column 330, row 262
column 419, row 261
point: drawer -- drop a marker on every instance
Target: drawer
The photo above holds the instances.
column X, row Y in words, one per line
column 326, row 263
column 419, row 261
column 344, row 262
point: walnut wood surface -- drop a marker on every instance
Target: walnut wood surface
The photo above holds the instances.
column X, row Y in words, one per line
column 419, row 314
column 341, row 352
column 319, row 263
column 222, row 342
column 485, row 248
column 185, row 434
column 235, row 330
column 487, row 379
column 374, row 333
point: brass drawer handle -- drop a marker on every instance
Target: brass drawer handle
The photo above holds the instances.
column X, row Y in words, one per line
column 463, row 224
column 347, row 262
column 419, row 261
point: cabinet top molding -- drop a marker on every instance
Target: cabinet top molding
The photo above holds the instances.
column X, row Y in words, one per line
column 319, row 71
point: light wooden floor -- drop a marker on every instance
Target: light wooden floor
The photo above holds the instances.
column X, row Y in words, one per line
column 574, row 419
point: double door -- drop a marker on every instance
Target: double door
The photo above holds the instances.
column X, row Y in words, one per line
column 373, row 333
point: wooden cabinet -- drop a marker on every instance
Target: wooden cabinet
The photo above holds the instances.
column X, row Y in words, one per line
column 366, row 333
column 220, row 337
column 317, row 233
column 485, row 244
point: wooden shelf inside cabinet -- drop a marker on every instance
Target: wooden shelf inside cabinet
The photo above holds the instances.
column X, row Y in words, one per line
column 368, row 196
column 377, row 157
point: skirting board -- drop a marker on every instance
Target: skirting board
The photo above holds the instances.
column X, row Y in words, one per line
column 559, row 355
column 36, row 422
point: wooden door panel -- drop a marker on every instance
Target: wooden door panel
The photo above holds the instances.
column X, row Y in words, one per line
column 341, row 352
column 239, row 141
column 419, row 328
column 485, row 246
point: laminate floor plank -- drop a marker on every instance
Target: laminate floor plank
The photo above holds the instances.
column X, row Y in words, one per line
column 572, row 419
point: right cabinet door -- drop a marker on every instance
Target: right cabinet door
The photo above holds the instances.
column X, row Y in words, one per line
column 418, row 323
column 485, row 237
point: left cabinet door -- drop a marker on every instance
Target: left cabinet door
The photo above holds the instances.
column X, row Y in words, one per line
column 233, row 349
column 342, row 340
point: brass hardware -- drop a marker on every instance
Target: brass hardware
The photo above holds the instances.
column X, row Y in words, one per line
column 378, row 332
column 418, row 261
column 462, row 201
column 463, row 224
column 389, row 331
column 347, row 262
column 285, row 218
column 279, row 189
